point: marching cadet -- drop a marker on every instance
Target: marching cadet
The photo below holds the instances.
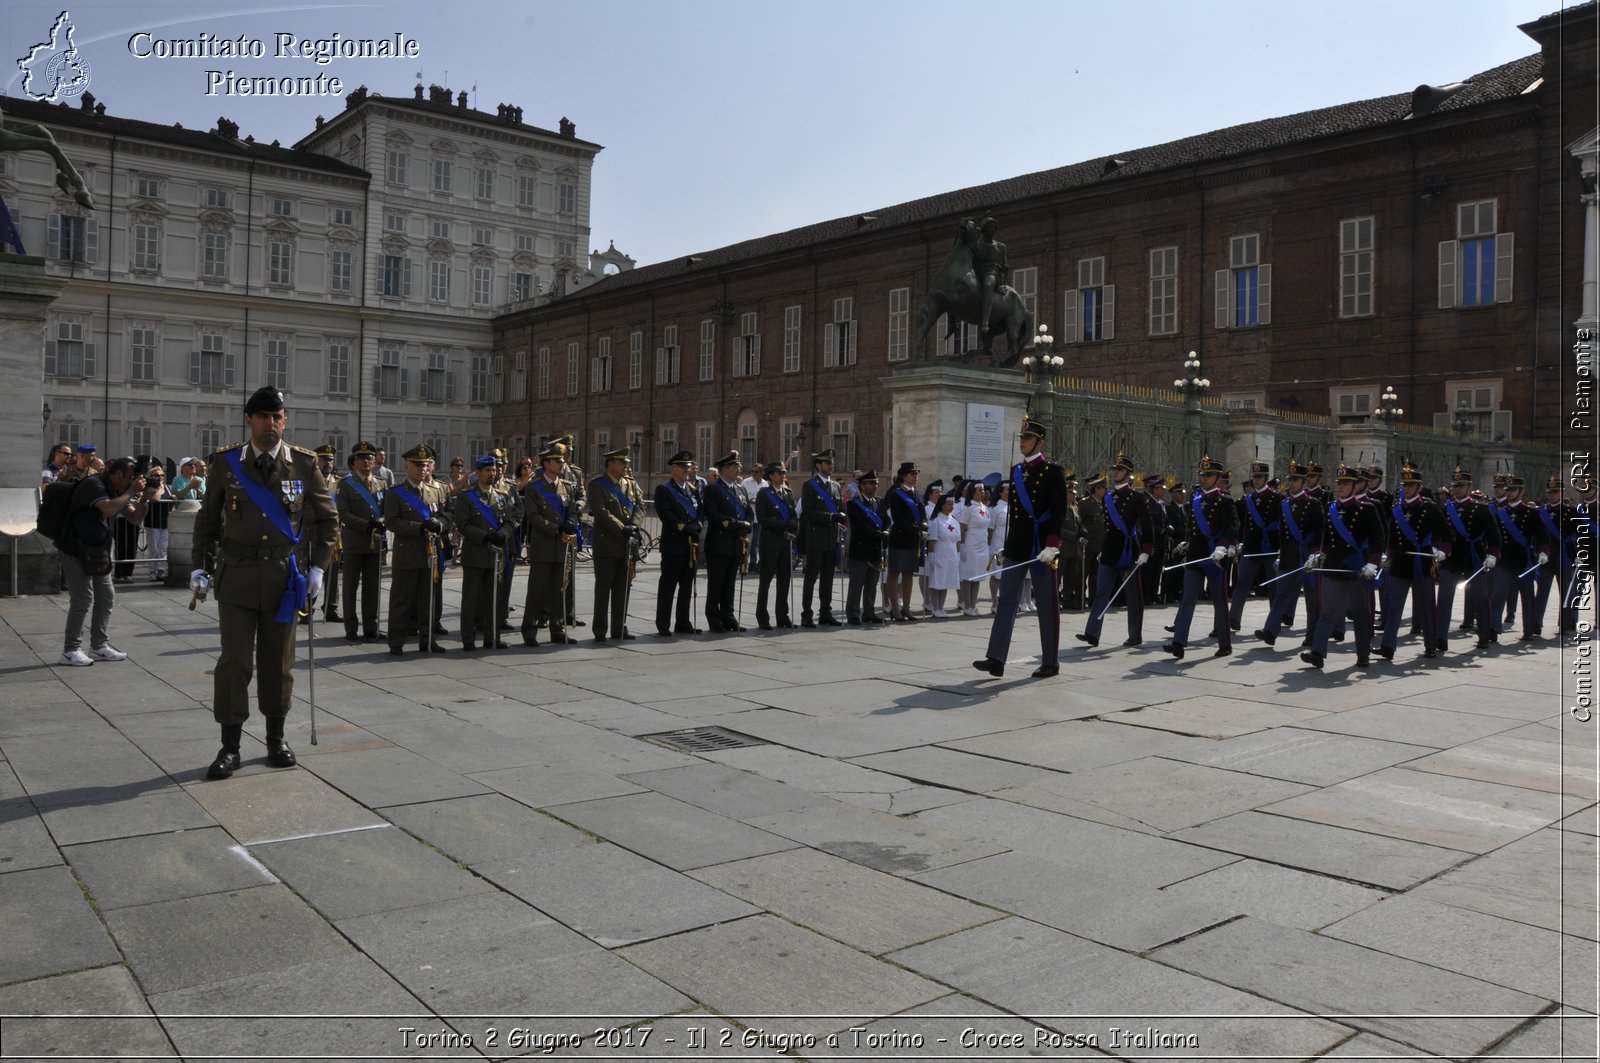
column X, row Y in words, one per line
column 1128, row 545
column 1155, row 489
column 908, row 530
column 576, row 484
column 1524, row 548
column 1419, row 542
column 1352, row 546
column 1260, row 522
column 1070, row 561
column 729, row 520
column 1475, row 552
column 417, row 511
column 1092, row 523
column 1561, row 522
column 1301, row 523
column 1177, row 506
column 552, row 523
column 360, row 502
column 512, row 521
column 1212, row 530
column 678, row 508
column 823, row 521
column 615, row 523
column 1314, row 485
column 482, row 515
column 1039, row 496
column 869, row 539
column 780, row 525
column 268, row 511
column 330, row 612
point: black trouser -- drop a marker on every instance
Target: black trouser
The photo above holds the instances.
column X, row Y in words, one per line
column 677, row 581
column 610, row 596
column 409, row 592
column 1072, row 583
column 127, row 545
column 775, row 563
column 861, row 594
column 1193, row 579
column 361, row 572
column 502, row 593
column 544, row 600
column 1107, row 582
column 722, row 573
column 821, row 562
column 330, row 593
column 1424, row 604
column 477, row 605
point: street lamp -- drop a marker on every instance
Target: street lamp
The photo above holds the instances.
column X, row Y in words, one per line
column 1389, row 412
column 1193, row 386
column 1048, row 364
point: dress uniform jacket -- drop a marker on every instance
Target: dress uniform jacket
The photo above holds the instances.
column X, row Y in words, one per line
column 678, row 509
column 1476, row 532
column 614, row 520
column 1416, row 526
column 817, row 516
column 358, row 521
column 405, row 523
column 868, row 537
column 1260, row 517
column 726, row 508
column 476, row 550
column 1137, row 532
column 545, row 519
column 1036, row 509
column 907, row 522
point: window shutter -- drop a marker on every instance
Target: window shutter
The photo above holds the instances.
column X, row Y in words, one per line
column 1504, row 245
column 1108, row 313
column 849, row 342
column 661, row 364
column 755, row 359
column 1224, row 298
column 405, row 284
column 449, row 384
column 377, row 382
column 404, row 374
column 88, row 358
column 53, row 236
column 1447, row 274
column 1264, row 294
column 50, row 357
column 91, row 248
column 830, row 345
column 1069, row 316
column 230, row 370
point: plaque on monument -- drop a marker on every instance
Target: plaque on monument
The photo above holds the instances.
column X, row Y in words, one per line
column 986, row 439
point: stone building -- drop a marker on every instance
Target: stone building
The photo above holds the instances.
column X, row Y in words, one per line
column 1431, row 240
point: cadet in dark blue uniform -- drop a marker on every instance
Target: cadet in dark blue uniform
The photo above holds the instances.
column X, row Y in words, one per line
column 1419, row 541
column 1524, row 546
column 1213, row 529
column 1301, row 518
column 1260, row 525
column 822, row 520
column 729, row 520
column 1129, row 544
column 780, row 524
column 678, row 508
column 869, row 537
column 1473, row 557
column 1562, row 524
column 1347, row 564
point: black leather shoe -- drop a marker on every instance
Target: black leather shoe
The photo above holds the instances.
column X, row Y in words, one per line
column 716, row 629
column 333, row 618
column 499, row 644
column 375, row 636
column 853, row 623
column 530, row 640
column 1386, row 652
column 808, row 623
column 1313, row 658
column 600, row 638
column 686, row 631
column 1171, row 627
column 1261, row 633
column 1483, row 643
column 1429, row 655
column 992, row 666
column 1045, row 671
column 440, row 629
column 663, row 633
column 786, row 623
column 351, row 636
column 1132, row 643
column 576, row 623
column 763, row 625
column 436, row 648
column 397, row 651
column 628, row 635
column 873, row 621
column 1363, row 662
column 1223, row 651
column 1337, row 636
column 829, row 621
column 469, row 647
column 279, row 755
column 225, row 765
column 504, row 626
column 1174, row 649
column 1090, row 639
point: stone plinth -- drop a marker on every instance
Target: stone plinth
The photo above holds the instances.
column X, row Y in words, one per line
column 934, row 403
column 180, row 542
column 25, row 297
column 1251, row 437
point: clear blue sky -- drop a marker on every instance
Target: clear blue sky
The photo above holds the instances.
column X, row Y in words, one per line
column 723, row 121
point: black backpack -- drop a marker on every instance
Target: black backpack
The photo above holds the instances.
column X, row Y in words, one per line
column 54, row 508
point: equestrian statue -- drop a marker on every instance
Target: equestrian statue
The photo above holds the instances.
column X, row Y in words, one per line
column 30, row 137
column 969, row 287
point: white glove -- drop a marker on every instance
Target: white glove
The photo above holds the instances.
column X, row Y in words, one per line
column 1180, row 550
column 1219, row 554
column 199, row 582
column 1488, row 563
column 1233, row 551
column 1047, row 555
column 1140, row 559
column 313, row 584
column 1313, row 561
column 1543, row 558
column 1369, row 572
column 1438, row 555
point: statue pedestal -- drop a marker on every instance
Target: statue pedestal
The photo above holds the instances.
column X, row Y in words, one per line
column 25, row 297
column 952, row 419
column 180, row 542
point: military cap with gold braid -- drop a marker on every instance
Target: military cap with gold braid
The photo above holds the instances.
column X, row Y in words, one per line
column 363, row 449
column 1123, row 462
column 553, row 452
column 1349, row 474
column 1553, row 483
column 420, row 453
column 1210, row 465
column 1260, row 468
column 1460, row 476
column 620, row 454
column 1298, row 469
column 682, row 457
column 1030, row 427
column 326, row 450
column 1409, row 473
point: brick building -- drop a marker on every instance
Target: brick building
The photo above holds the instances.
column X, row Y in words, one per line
column 1432, row 241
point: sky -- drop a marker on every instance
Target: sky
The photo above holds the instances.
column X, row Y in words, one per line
column 724, row 121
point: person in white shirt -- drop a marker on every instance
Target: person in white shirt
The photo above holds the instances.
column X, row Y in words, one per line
column 974, row 522
column 944, row 558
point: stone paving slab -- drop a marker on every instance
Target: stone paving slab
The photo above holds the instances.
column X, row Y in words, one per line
column 1522, row 762
column 1517, row 704
column 1077, row 745
column 763, row 967
column 45, row 709
column 122, row 1024
column 1388, row 863
column 24, row 840
column 488, row 829
column 280, row 804
column 177, row 944
column 876, row 839
column 612, row 896
column 126, row 872
column 879, row 731
column 1584, row 822
column 379, row 777
column 954, row 768
column 627, row 718
column 818, row 774
column 952, row 1027
column 123, row 812
column 1424, row 807
column 1413, row 724
column 1276, row 894
column 726, row 791
column 80, row 767
column 1214, row 717
column 1383, row 994
column 884, row 912
column 1546, row 879
column 50, row 928
column 1041, row 973
column 671, row 832
column 1564, row 1035
column 1315, row 758
column 543, row 785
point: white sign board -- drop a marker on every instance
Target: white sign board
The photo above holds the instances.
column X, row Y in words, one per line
column 986, row 440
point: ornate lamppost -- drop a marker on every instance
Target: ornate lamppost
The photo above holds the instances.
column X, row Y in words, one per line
column 1389, row 412
column 1047, row 363
column 1193, row 386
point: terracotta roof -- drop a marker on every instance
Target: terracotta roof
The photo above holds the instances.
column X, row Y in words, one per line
column 1500, row 83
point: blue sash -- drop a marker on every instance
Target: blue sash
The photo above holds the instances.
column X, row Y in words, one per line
column 272, row 507
column 777, row 500
column 1461, row 530
column 410, row 498
column 552, row 497
column 1294, row 527
column 488, row 513
column 1345, row 534
column 823, row 495
column 614, row 489
column 733, row 496
column 1255, row 515
column 372, row 503
column 1200, row 522
column 877, row 521
column 1565, row 541
column 1511, row 526
column 685, row 501
column 1410, row 533
column 1025, row 500
column 1128, row 541
column 912, row 506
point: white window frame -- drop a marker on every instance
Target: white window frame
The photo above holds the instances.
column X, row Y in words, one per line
column 1026, row 284
column 669, row 364
column 482, row 284
column 214, row 247
column 899, row 325
column 747, row 345
column 343, row 216
column 600, row 369
column 843, row 440
column 145, row 247
column 1089, row 311
column 1352, row 405
column 1244, row 253
column 478, row 380
column 277, row 361
column 1356, row 263
column 280, row 207
column 839, row 338
column 389, row 375
column 444, row 178
column 708, row 349
column 397, row 167
column 211, row 363
column 792, row 317
column 483, row 182
column 145, row 187
column 339, row 363
column 528, row 190
column 635, row 361
column 544, row 372
column 1164, row 291
column 280, row 262
column 395, row 277
column 1476, row 220
column 436, row 382
column 566, row 197
column 341, row 270
column 574, row 363
column 144, row 347
column 790, row 430
column 705, row 441
column 438, row 280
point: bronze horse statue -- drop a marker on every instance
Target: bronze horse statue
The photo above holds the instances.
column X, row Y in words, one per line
column 31, row 137
column 954, row 291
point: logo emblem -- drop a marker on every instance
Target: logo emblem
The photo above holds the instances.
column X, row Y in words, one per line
column 54, row 70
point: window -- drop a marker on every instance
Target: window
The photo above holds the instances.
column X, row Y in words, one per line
column 566, row 198
column 524, row 243
column 69, row 355
column 73, row 239
column 394, row 222
column 215, row 198
column 1352, row 405
column 635, row 361
column 1244, row 289
column 214, row 255
column 839, row 338
column 339, row 439
column 71, row 433
column 600, row 371
column 747, row 447
column 667, row 356
column 1243, row 402
column 141, row 353
column 1476, row 404
column 443, row 175
column 791, row 340
column 639, row 447
column 396, row 276
column 438, row 228
column 280, row 263
column 1163, row 291
column 339, row 366
column 482, row 284
column 210, row 364
column 210, row 440
column 708, row 349
column 843, row 443
column 275, row 360
column 438, row 280
column 497, row 379
column 147, row 187
column 1088, row 313
column 899, row 324
column 705, row 443
column 566, row 249
column 436, row 377
column 527, row 190
column 280, row 207
column 521, row 287
column 478, row 383
column 484, row 182
column 544, row 372
column 1475, row 268
column 573, row 360
column 140, row 439
column 1026, row 283
column 397, row 167
column 390, row 380
column 602, row 446
column 963, row 338
column 146, row 247
column 339, row 269
column 482, row 236
column 669, row 441
column 1355, row 267
column 344, row 216
column 791, row 432
column 747, row 346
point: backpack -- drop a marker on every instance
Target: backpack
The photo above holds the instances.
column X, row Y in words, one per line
column 55, row 505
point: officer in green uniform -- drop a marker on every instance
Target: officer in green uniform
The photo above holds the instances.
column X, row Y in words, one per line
column 575, row 485
column 508, row 490
column 360, row 501
column 552, row 518
column 481, row 514
column 330, row 612
column 615, row 523
column 265, row 534
column 417, row 512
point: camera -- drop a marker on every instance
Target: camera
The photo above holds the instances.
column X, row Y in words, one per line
column 142, row 464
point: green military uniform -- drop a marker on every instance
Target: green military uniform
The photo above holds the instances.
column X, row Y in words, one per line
column 482, row 516
column 359, row 498
column 255, row 566
column 552, row 518
column 415, row 555
column 615, row 522
column 575, row 483
column 506, row 487
column 330, row 594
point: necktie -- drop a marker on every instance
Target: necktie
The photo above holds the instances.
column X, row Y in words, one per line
column 264, row 465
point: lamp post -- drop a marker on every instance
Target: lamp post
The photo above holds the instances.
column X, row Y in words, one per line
column 1389, row 412
column 1048, row 364
column 1193, row 386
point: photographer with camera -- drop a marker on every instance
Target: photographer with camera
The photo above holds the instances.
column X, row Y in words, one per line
column 86, row 556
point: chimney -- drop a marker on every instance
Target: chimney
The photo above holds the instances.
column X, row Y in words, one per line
column 461, row 100
column 418, row 90
column 227, row 129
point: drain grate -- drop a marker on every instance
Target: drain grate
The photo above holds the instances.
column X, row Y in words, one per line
column 703, row 739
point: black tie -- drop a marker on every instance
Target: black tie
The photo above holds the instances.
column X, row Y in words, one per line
column 264, row 464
